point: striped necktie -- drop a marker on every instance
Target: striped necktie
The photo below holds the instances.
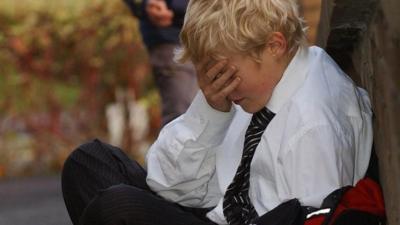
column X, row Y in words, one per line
column 238, row 209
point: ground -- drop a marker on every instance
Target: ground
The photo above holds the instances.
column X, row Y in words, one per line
column 34, row 201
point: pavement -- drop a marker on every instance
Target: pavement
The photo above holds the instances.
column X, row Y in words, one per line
column 33, row 201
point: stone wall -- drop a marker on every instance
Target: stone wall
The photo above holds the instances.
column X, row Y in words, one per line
column 363, row 36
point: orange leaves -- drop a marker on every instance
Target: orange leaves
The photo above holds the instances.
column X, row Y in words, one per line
column 60, row 62
column 18, row 45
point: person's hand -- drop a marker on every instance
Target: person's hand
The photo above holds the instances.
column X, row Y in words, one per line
column 217, row 82
column 158, row 13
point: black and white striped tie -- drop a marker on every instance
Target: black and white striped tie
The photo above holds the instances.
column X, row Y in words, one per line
column 238, row 209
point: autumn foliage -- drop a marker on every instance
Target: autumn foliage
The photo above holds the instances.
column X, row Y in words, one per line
column 60, row 64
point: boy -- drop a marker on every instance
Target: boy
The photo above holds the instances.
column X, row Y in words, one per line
column 274, row 120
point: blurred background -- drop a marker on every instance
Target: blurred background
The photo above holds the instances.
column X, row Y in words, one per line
column 62, row 63
column 71, row 71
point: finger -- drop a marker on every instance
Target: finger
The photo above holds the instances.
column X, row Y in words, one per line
column 201, row 70
column 215, row 71
column 156, row 12
column 170, row 14
column 166, row 16
column 222, row 80
column 152, row 12
column 161, row 6
column 153, row 5
column 231, row 87
column 209, row 63
column 202, row 65
column 164, row 22
column 160, row 17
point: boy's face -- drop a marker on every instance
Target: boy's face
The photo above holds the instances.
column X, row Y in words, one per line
column 240, row 79
column 258, row 81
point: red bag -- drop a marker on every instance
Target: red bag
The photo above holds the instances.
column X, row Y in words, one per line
column 362, row 204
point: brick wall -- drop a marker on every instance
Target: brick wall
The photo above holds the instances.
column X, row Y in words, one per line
column 363, row 36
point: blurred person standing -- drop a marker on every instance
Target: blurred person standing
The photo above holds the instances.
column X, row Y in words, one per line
column 160, row 25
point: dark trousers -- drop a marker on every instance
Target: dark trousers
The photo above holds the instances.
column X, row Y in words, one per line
column 102, row 186
column 176, row 82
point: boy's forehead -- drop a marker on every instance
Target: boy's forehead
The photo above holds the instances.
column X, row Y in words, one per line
column 214, row 56
column 208, row 60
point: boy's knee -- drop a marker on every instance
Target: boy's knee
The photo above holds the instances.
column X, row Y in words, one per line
column 120, row 194
column 80, row 154
column 112, row 205
column 119, row 190
column 88, row 148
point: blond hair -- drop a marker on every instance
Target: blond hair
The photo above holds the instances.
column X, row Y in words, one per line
column 213, row 28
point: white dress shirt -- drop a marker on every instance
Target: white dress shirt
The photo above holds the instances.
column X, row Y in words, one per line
column 319, row 140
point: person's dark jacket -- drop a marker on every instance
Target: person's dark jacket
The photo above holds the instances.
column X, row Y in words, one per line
column 152, row 35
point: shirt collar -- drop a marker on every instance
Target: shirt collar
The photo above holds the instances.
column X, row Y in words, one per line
column 291, row 80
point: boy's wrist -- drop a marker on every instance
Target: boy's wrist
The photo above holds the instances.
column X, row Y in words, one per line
column 201, row 107
column 204, row 111
column 211, row 123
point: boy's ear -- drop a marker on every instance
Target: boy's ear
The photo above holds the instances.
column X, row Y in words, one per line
column 277, row 44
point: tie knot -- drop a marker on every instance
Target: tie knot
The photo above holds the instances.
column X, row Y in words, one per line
column 262, row 118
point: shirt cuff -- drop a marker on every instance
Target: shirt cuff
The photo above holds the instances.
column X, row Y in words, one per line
column 214, row 123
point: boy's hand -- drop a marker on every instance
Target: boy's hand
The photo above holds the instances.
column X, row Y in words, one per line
column 217, row 82
column 158, row 13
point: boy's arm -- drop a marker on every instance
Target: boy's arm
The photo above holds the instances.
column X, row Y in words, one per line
column 181, row 163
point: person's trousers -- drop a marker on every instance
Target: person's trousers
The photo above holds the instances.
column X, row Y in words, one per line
column 176, row 82
column 102, row 186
